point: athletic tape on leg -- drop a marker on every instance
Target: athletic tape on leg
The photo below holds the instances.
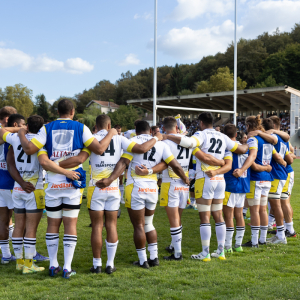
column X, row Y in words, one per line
column 54, row 214
column 148, row 224
column 264, row 201
column 216, row 207
column 253, row 202
column 203, row 208
column 73, row 213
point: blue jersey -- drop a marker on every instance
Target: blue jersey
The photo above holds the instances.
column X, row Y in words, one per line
column 241, row 184
column 289, row 168
column 6, row 182
column 279, row 171
column 264, row 158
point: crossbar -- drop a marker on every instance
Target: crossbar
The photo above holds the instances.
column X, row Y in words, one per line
column 195, row 109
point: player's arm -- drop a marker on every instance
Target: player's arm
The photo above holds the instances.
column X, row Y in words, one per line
column 285, row 136
column 75, row 161
column 272, row 139
column 226, row 168
column 233, row 146
column 259, row 168
column 277, row 157
column 118, row 170
column 14, row 173
column 292, row 152
column 288, row 158
column 143, row 148
column 143, row 171
column 51, row 166
column 247, row 164
column 208, row 159
column 176, row 167
column 99, row 147
column 5, row 130
column 33, row 146
column 184, row 141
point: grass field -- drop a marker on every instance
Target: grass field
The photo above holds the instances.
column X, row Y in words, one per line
column 270, row 272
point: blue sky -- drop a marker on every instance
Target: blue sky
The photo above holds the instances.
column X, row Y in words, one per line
column 60, row 48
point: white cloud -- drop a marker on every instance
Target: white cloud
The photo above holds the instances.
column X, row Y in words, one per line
column 145, row 16
column 2, row 44
column 13, row 58
column 190, row 9
column 186, row 43
column 131, row 59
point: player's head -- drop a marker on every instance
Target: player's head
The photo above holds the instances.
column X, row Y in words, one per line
column 138, row 120
column 218, row 128
column 16, row 120
column 94, row 130
column 34, row 123
column 5, row 112
column 276, row 122
column 154, row 130
column 142, row 127
column 268, row 124
column 242, row 137
column 170, row 124
column 205, row 120
column 253, row 123
column 230, row 131
column 118, row 128
column 66, row 108
column 103, row 122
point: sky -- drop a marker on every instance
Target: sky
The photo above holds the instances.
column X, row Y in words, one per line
column 60, row 48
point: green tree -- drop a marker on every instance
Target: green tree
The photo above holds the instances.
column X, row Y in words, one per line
column 295, row 34
column 125, row 116
column 175, row 82
column 18, row 96
column 185, row 92
column 55, row 103
column 221, row 81
column 268, row 82
column 42, row 106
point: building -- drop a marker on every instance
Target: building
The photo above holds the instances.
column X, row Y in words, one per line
column 105, row 106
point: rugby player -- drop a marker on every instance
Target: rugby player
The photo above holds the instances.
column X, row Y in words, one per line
column 131, row 132
column 141, row 192
column 121, row 186
column 210, row 184
column 61, row 138
column 106, row 202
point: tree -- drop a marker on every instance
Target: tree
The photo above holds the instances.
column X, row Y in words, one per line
column 125, row 116
column 295, row 34
column 18, row 96
column 104, row 90
column 55, row 103
column 175, row 82
column 42, row 106
column 268, row 82
column 221, row 81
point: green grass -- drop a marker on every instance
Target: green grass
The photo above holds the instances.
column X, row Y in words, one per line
column 270, row 272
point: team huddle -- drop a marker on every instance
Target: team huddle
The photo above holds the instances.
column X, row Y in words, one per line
column 220, row 175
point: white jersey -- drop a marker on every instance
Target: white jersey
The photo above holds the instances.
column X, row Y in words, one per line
column 214, row 143
column 160, row 151
column 103, row 165
column 182, row 155
column 130, row 133
column 27, row 165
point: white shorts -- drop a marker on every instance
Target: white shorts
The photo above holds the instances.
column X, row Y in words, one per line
column 28, row 203
column 141, row 194
column 210, row 188
column 287, row 189
column 6, row 199
column 62, row 195
column 174, row 194
column 234, row 199
column 103, row 199
column 276, row 189
column 258, row 189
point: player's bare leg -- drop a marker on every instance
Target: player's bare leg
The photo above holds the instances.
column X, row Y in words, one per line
column 288, row 217
column 5, row 215
column 228, row 217
column 240, row 228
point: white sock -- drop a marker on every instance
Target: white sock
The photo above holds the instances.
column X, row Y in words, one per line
column 152, row 248
column 176, row 235
column 34, row 251
column 239, row 235
column 18, row 247
column 228, row 238
column 52, row 241
column 121, row 187
column 290, row 227
column 193, row 201
column 70, row 242
column 221, row 233
column 5, row 249
column 142, row 255
column 11, row 231
column 97, row 262
column 205, row 235
column 111, row 249
column 263, row 234
column 280, row 232
column 254, row 234
column 29, row 247
column 271, row 219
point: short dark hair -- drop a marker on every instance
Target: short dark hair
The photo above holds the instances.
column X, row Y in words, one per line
column 65, row 106
column 14, row 118
column 35, row 123
column 102, row 121
column 206, row 118
column 275, row 120
column 94, row 128
column 142, row 126
column 6, row 111
column 118, row 126
column 154, row 127
column 230, row 130
column 136, row 121
column 169, row 123
column 268, row 124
